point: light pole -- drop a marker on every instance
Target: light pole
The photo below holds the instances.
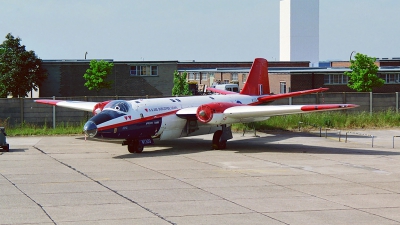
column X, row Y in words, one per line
column 351, row 54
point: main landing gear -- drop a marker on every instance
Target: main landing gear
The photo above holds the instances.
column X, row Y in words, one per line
column 134, row 146
column 220, row 138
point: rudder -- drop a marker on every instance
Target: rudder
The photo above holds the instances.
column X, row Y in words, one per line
column 257, row 82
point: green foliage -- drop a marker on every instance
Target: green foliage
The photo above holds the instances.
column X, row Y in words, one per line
column 181, row 87
column 363, row 76
column 337, row 120
column 97, row 74
column 20, row 70
column 63, row 128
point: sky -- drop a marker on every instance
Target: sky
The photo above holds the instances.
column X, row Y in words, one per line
column 200, row 30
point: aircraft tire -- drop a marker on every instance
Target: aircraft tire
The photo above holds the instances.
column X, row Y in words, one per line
column 131, row 148
column 135, row 147
column 216, row 143
column 139, row 149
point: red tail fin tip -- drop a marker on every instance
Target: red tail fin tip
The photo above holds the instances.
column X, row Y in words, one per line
column 257, row 82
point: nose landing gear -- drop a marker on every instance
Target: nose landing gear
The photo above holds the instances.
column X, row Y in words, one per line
column 134, row 146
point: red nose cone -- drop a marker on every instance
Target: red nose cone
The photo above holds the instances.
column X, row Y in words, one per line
column 204, row 114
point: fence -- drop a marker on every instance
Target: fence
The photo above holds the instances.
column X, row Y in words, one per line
column 23, row 110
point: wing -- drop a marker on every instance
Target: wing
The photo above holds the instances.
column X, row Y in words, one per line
column 80, row 105
column 227, row 113
column 239, row 112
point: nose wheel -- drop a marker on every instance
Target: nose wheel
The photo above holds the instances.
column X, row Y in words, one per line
column 134, row 146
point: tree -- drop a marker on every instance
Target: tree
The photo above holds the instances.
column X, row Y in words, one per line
column 21, row 71
column 363, row 76
column 96, row 75
column 181, row 86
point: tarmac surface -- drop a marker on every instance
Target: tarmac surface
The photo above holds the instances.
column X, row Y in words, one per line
column 276, row 178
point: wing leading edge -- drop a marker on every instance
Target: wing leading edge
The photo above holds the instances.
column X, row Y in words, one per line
column 79, row 105
column 275, row 110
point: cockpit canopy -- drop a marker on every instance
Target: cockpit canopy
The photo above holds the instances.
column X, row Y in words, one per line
column 118, row 105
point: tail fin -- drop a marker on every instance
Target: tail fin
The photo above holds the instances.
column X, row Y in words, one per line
column 257, row 82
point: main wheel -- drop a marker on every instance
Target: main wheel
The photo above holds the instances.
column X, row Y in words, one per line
column 217, row 144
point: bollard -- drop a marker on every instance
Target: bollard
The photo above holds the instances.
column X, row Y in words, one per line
column 393, row 140
column 372, row 136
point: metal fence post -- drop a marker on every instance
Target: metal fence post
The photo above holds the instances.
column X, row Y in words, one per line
column 370, row 103
column 21, row 105
column 54, row 114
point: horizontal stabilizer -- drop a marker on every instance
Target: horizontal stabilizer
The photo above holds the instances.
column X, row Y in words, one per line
column 270, row 98
column 222, row 92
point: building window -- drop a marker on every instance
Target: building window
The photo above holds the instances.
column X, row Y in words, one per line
column 282, row 88
column 141, row 70
column 154, row 70
column 204, row 76
column 234, row 77
column 197, row 76
column 226, row 81
column 335, row 79
column 390, row 78
column 191, row 76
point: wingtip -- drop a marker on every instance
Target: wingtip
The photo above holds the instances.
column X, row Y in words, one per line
column 47, row 101
column 327, row 107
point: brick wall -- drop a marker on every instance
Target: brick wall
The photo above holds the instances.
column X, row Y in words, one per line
column 274, row 82
column 66, row 79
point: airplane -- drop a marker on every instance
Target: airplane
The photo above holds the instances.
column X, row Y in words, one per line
column 138, row 122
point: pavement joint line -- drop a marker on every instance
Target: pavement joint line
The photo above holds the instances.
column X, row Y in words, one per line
column 225, row 199
column 398, row 221
column 321, row 197
column 40, row 206
column 108, row 188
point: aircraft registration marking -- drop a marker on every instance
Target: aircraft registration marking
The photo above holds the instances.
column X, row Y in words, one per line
column 157, row 109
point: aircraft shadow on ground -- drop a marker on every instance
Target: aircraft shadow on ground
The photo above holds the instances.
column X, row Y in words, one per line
column 250, row 145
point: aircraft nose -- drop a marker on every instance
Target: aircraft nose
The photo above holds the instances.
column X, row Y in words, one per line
column 90, row 128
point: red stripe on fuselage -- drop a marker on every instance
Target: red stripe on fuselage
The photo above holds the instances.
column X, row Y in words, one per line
column 140, row 120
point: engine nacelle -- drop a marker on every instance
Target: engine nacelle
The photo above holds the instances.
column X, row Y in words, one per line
column 213, row 112
column 99, row 107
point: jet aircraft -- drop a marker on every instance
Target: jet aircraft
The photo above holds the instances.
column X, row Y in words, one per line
column 137, row 122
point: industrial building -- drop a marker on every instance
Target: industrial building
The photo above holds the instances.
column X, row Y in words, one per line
column 155, row 78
